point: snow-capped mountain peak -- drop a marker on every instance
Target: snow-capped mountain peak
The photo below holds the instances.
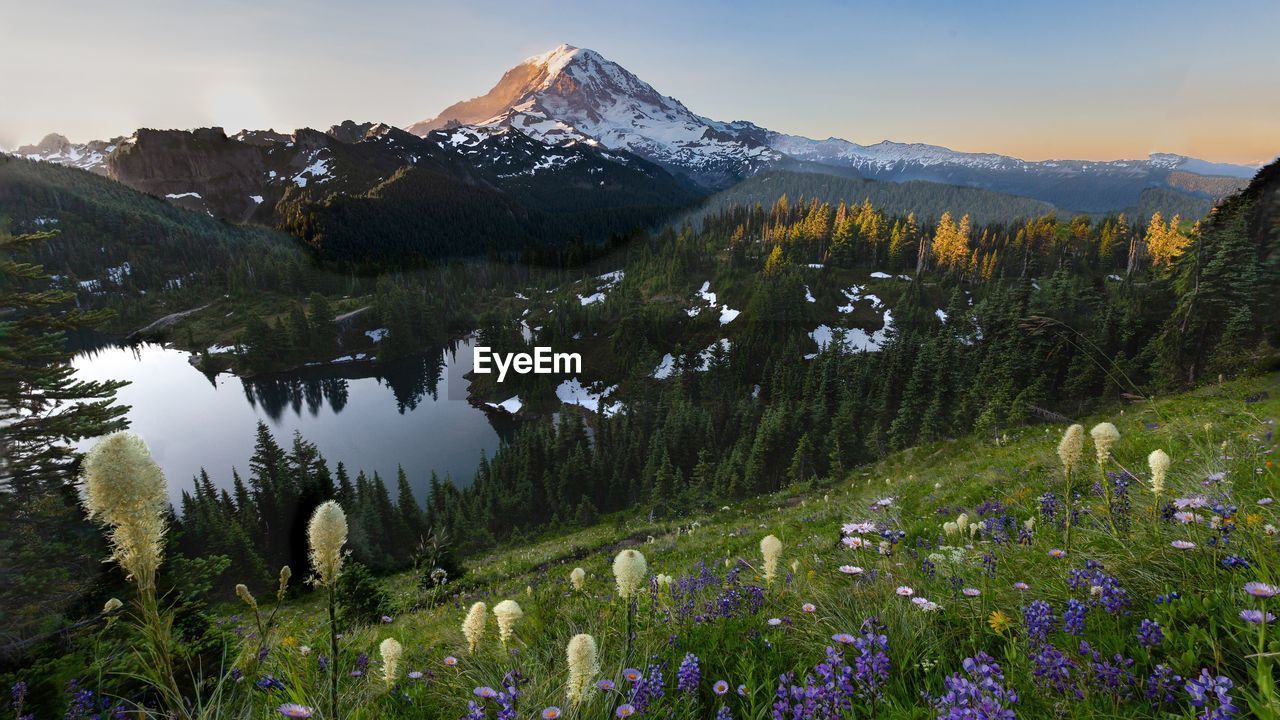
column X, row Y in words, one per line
column 572, row 93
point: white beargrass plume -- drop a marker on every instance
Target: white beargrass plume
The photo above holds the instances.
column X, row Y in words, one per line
column 1104, row 436
column 242, row 592
column 1159, row 462
column 124, row 489
column 111, row 606
column 1071, row 448
column 578, row 578
column 583, row 667
column 473, row 626
column 631, row 571
column 391, row 651
column 327, row 533
column 771, row 549
column 962, row 522
column 283, row 587
column 507, row 612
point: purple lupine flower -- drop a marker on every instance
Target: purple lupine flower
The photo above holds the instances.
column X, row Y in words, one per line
column 689, row 674
column 1040, row 619
column 1051, row 669
column 872, row 662
column 1162, row 685
column 1212, row 695
column 1073, row 617
column 1149, row 633
column 978, row 694
column 270, row 682
column 475, row 711
column 724, row 713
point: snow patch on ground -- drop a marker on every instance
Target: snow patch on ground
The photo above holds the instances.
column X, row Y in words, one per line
column 665, row 368
column 572, row 392
column 179, row 196
column 377, row 335
column 854, row 339
column 728, row 314
column 808, row 295
column 511, row 405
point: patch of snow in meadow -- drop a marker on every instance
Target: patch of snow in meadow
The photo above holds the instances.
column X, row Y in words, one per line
column 728, row 314
column 572, row 392
column 117, row 274
column 808, row 295
column 179, row 196
column 665, row 368
column 257, row 199
column 512, row 405
column 854, row 339
column 222, row 349
column 942, row 315
column 377, row 335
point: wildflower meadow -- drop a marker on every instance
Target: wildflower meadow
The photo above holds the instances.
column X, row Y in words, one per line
column 1121, row 567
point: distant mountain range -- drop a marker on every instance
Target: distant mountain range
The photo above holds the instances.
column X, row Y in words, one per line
column 567, row 144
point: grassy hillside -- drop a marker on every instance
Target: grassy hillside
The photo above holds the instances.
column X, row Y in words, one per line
column 1116, row 626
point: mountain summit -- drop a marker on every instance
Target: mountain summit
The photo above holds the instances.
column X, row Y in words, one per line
column 576, row 94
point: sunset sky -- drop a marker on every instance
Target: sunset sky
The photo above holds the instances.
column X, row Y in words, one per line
column 1091, row 80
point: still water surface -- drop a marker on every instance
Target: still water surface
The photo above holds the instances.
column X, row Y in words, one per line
column 409, row 413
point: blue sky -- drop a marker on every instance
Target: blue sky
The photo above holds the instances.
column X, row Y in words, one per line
column 1083, row 79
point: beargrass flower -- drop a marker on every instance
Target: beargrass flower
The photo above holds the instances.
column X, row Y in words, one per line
column 630, row 571
column 473, row 626
column 391, row 652
column 326, row 534
column 583, row 667
column 1071, row 447
column 111, row 606
column 771, row 550
column 507, row 612
column 577, row 578
column 123, row 488
column 1105, row 436
column 242, row 592
column 1159, row 463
